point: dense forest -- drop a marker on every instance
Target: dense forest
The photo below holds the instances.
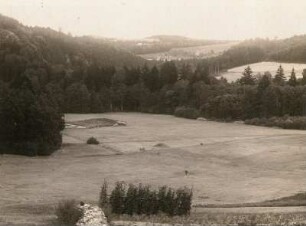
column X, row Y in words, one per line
column 44, row 73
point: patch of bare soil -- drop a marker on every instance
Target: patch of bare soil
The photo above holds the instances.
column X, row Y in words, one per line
column 94, row 123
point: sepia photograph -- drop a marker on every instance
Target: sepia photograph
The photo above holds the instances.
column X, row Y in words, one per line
column 152, row 113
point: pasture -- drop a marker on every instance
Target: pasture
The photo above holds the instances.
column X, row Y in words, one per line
column 235, row 73
column 190, row 52
column 227, row 163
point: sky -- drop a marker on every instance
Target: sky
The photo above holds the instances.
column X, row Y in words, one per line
column 134, row 19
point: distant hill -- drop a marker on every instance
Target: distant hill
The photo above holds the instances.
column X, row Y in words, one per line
column 160, row 43
column 192, row 52
column 290, row 50
column 170, row 38
column 45, row 45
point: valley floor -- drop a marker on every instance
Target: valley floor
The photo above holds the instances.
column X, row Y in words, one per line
column 226, row 163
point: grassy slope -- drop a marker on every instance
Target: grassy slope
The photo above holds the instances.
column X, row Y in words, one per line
column 236, row 163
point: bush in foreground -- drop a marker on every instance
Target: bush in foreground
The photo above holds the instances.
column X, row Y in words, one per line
column 143, row 200
column 187, row 112
column 68, row 213
column 92, row 140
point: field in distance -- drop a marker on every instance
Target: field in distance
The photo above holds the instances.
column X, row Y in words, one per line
column 226, row 163
column 199, row 52
column 235, row 73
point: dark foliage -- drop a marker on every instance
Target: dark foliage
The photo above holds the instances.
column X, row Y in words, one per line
column 282, row 122
column 103, row 198
column 145, row 200
column 68, row 213
column 30, row 121
column 92, row 140
column 53, row 72
column 187, row 112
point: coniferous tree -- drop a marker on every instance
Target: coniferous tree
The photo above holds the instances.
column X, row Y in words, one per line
column 140, row 199
column 186, row 72
column 247, row 78
column 147, row 202
column 162, row 202
column 170, row 201
column 130, row 203
column 183, row 201
column 168, row 73
column 279, row 78
column 264, row 82
column 292, row 80
column 103, row 199
column 117, row 198
column 154, row 202
column 303, row 81
column 151, row 79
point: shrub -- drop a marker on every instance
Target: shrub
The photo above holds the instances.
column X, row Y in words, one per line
column 103, row 199
column 92, row 140
column 187, row 112
column 68, row 213
column 117, row 198
column 286, row 122
column 143, row 200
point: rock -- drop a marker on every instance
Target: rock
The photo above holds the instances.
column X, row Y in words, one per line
column 120, row 123
column 201, row 119
column 92, row 216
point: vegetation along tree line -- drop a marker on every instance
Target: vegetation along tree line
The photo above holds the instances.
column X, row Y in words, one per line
column 32, row 101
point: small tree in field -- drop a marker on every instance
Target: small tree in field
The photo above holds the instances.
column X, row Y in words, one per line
column 171, row 202
column 183, row 201
column 130, row 203
column 162, row 203
column 103, row 200
column 117, row 198
column 292, row 80
column 92, row 140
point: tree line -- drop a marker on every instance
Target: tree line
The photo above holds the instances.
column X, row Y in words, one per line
column 165, row 88
column 34, row 98
column 142, row 199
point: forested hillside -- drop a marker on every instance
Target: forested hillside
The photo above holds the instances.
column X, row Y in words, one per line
column 291, row 50
column 44, row 73
column 159, row 43
column 46, row 46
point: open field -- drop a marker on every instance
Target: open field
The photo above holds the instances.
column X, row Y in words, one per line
column 235, row 73
column 190, row 52
column 227, row 163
